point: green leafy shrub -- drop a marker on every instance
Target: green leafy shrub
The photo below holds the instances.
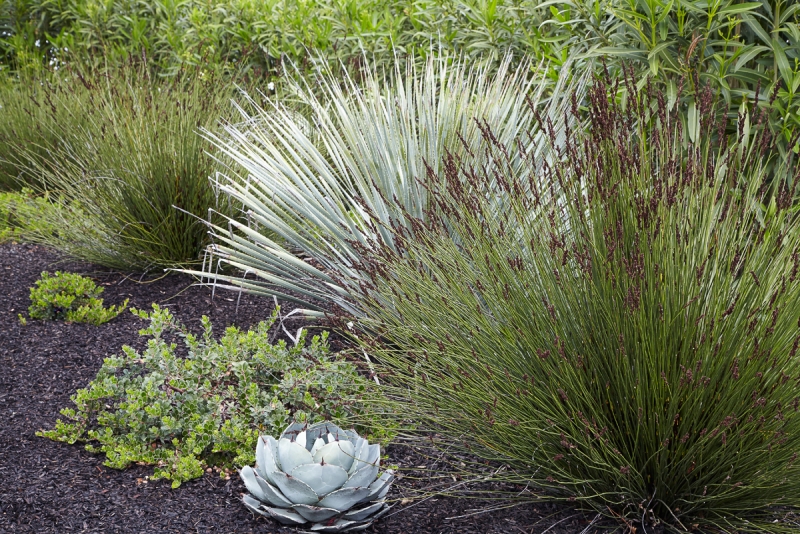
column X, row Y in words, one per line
column 26, row 216
column 261, row 36
column 746, row 51
column 733, row 45
column 184, row 414
column 70, row 297
column 623, row 333
column 8, row 220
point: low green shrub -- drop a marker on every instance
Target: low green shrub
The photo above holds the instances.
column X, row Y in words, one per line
column 25, row 216
column 186, row 414
column 70, row 297
column 619, row 327
column 8, row 220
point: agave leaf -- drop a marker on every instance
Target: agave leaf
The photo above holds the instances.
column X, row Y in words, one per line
column 379, row 488
column 315, row 432
column 271, row 494
column 358, row 528
column 361, row 449
column 352, row 436
column 315, row 513
column 318, row 444
column 325, row 428
column 363, row 477
column 373, row 456
column 339, row 453
column 381, row 513
column 295, row 490
column 301, row 440
column 266, row 457
column 284, row 516
column 293, row 431
column 341, row 525
column 344, row 499
column 248, row 476
column 363, row 513
column 291, row 454
column 323, row 479
column 253, row 505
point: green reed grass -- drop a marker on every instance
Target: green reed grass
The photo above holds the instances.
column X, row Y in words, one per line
column 620, row 328
column 123, row 146
column 28, row 116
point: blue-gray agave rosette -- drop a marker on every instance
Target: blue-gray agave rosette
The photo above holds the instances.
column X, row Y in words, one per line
column 318, row 474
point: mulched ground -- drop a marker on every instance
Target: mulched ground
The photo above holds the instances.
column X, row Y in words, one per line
column 54, row 487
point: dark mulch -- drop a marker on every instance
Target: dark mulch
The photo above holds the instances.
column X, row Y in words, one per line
column 54, row 487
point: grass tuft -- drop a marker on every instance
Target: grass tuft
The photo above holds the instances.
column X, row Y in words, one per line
column 620, row 327
column 119, row 152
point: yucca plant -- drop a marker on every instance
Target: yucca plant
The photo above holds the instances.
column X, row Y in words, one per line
column 311, row 179
column 624, row 335
column 127, row 155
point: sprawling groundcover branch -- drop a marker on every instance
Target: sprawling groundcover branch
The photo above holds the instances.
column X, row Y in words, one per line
column 633, row 347
column 321, row 184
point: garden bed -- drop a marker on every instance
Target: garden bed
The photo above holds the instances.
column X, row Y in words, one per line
column 55, row 487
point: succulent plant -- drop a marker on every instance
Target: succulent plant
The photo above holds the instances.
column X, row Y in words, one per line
column 318, row 474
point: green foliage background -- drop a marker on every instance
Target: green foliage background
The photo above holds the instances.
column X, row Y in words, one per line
column 732, row 44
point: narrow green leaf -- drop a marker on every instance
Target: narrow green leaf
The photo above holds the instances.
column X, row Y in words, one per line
column 659, row 48
column 738, row 8
column 781, row 59
column 754, row 25
column 693, row 122
column 672, row 93
column 748, row 55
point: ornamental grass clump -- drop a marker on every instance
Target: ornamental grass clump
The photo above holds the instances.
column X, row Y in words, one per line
column 121, row 161
column 623, row 334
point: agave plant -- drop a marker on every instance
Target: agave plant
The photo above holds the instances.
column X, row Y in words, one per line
column 318, row 474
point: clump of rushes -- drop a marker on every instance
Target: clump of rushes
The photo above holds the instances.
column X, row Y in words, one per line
column 70, row 297
column 28, row 115
column 621, row 328
column 128, row 154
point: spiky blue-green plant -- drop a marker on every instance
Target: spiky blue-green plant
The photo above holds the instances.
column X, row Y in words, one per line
column 366, row 148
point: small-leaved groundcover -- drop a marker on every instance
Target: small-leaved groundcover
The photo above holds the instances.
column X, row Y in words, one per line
column 71, row 297
column 207, row 409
